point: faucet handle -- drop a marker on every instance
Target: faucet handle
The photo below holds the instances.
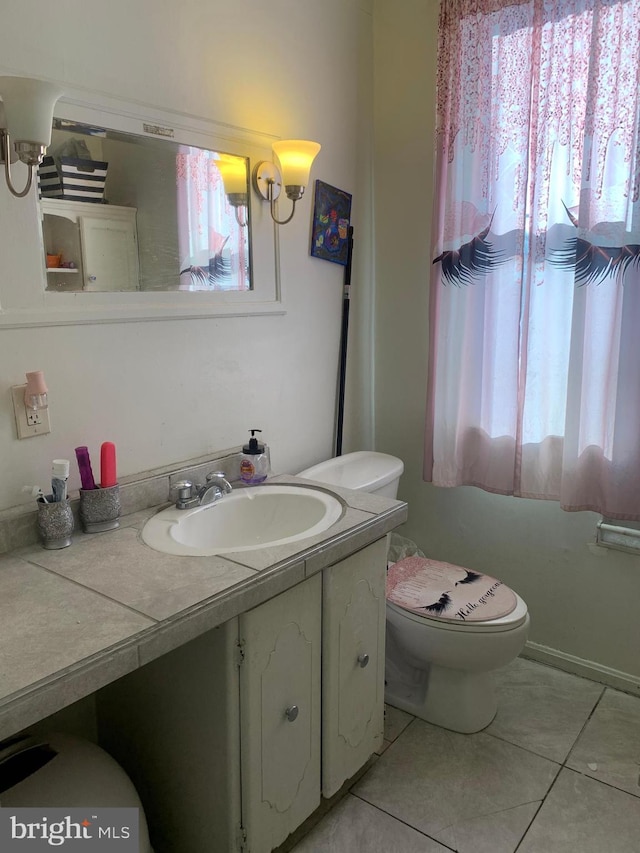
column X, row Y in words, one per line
column 184, row 488
column 219, row 479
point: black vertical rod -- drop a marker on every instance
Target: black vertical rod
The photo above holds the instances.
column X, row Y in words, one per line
column 343, row 342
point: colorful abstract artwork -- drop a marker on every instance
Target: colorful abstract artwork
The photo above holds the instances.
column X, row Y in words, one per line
column 331, row 218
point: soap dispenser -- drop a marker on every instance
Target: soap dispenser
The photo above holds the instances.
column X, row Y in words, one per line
column 254, row 465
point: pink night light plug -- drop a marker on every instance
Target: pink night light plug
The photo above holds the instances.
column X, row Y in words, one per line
column 35, row 394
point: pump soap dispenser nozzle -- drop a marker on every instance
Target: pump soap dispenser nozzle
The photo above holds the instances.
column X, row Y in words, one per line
column 254, row 465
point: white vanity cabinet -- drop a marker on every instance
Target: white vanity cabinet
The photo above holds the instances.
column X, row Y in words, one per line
column 353, row 634
column 231, row 738
column 101, row 239
column 280, row 714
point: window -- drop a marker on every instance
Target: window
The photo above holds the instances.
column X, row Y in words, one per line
column 212, row 239
column 534, row 374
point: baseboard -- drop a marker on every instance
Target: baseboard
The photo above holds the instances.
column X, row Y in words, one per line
column 586, row 668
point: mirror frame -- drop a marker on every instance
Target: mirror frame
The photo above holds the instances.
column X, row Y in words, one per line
column 33, row 305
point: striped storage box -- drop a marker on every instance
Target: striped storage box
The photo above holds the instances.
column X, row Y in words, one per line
column 77, row 180
column 48, row 179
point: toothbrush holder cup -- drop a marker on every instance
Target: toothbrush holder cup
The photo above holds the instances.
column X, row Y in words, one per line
column 100, row 509
column 55, row 523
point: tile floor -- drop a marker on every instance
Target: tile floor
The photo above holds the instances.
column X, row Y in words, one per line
column 556, row 772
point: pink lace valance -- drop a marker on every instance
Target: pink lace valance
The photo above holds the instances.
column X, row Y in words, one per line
column 558, row 72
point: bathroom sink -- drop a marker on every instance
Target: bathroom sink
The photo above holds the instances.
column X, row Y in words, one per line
column 245, row 520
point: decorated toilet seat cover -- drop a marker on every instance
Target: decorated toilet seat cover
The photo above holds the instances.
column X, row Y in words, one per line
column 448, row 592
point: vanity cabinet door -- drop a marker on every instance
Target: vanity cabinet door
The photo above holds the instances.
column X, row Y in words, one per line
column 280, row 714
column 353, row 663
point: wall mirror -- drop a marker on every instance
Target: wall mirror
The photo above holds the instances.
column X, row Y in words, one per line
column 139, row 219
column 126, row 212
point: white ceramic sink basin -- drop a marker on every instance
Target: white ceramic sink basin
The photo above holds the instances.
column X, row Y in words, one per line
column 244, row 520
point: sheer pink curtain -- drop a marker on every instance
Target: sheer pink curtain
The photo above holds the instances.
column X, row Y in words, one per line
column 211, row 243
column 534, row 373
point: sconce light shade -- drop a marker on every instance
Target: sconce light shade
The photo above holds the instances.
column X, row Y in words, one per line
column 234, row 175
column 35, row 393
column 296, row 157
column 3, row 124
column 28, row 112
column 28, row 107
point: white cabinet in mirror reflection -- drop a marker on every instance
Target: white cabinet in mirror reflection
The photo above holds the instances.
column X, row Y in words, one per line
column 101, row 240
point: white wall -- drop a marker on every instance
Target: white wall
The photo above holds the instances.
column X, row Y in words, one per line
column 166, row 391
column 583, row 600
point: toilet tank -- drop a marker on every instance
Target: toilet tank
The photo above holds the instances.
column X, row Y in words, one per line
column 364, row 470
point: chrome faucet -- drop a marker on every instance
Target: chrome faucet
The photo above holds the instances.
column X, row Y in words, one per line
column 216, row 486
column 190, row 495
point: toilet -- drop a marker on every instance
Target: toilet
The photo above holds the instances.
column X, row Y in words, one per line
column 448, row 628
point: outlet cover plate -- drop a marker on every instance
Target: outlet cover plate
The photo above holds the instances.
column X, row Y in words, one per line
column 25, row 426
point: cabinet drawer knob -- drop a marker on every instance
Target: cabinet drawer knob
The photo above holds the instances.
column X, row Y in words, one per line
column 291, row 713
column 363, row 660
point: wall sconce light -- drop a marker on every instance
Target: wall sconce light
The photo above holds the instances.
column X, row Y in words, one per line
column 31, row 406
column 234, row 177
column 296, row 157
column 28, row 116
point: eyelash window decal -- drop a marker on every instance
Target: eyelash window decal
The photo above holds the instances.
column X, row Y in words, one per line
column 592, row 263
column 439, row 607
column 471, row 261
column 470, row 578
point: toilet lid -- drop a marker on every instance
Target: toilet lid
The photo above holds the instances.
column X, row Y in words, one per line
column 447, row 592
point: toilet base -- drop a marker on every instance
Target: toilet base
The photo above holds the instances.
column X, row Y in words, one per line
column 462, row 702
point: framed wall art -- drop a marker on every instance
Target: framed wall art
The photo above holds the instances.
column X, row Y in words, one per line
column 331, row 220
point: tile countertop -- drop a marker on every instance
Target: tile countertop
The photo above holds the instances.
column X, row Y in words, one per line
column 76, row 619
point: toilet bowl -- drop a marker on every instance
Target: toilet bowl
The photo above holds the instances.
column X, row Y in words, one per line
column 439, row 664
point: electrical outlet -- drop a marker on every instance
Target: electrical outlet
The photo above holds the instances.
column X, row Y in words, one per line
column 28, row 422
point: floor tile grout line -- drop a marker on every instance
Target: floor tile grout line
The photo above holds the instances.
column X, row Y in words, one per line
column 530, row 824
column 532, row 751
column 403, row 822
column 496, row 737
column 584, row 725
column 483, row 815
column 551, row 787
column 398, row 736
column 543, row 801
column 525, row 748
column 602, row 782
